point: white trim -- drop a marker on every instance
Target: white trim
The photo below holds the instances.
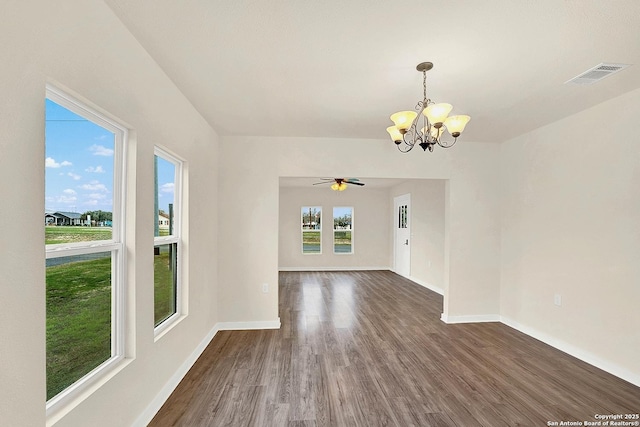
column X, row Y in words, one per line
column 474, row 318
column 81, row 108
column 176, row 238
column 62, row 250
column 152, row 409
column 65, row 401
column 334, row 230
column 424, row 284
column 239, row 326
column 397, row 202
column 303, row 230
column 574, row 351
column 80, row 389
column 345, row 268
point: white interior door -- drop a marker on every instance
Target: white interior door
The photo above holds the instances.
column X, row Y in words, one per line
column 402, row 235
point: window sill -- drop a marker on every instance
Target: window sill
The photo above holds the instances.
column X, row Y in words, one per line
column 61, row 405
column 163, row 328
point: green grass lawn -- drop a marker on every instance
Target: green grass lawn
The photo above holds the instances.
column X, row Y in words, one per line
column 78, row 321
column 342, row 237
column 79, row 308
column 310, row 242
column 164, row 291
column 70, row 234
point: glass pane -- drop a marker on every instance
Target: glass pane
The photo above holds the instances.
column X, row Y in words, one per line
column 311, row 242
column 342, row 218
column 165, row 177
column 78, row 317
column 311, row 218
column 342, row 242
column 402, row 216
column 342, row 226
column 78, row 177
column 165, row 281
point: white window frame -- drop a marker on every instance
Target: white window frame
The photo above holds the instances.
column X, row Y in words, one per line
column 176, row 238
column 302, row 230
column 351, row 230
column 116, row 245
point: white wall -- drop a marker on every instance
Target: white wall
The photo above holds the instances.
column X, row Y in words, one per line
column 567, row 199
column 370, row 228
column 427, row 224
column 249, row 215
column 82, row 46
column 570, row 207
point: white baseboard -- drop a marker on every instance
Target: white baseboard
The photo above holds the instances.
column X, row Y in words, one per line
column 345, row 268
column 470, row 319
column 152, row 409
column 239, row 326
column 429, row 286
column 574, row 351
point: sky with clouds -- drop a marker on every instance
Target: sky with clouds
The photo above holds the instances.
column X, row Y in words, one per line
column 79, row 164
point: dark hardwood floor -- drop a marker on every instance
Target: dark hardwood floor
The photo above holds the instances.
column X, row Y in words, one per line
column 369, row 349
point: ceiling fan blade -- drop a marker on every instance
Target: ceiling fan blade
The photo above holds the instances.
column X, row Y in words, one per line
column 323, row 182
column 354, row 181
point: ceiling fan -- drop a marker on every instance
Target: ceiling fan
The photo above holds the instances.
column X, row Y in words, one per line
column 339, row 184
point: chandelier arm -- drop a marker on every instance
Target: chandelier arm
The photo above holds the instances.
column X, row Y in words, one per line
column 409, row 144
column 406, row 150
column 446, row 144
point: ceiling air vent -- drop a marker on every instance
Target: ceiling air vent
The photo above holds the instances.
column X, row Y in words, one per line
column 597, row 73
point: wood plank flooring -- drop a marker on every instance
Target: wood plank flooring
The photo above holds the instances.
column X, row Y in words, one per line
column 369, row 349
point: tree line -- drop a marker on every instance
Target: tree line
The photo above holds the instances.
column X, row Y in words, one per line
column 342, row 221
column 97, row 215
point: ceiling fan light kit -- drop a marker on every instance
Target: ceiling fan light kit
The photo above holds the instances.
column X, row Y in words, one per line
column 406, row 131
column 339, row 184
column 338, row 187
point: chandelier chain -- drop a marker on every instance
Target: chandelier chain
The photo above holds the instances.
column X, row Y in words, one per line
column 424, row 85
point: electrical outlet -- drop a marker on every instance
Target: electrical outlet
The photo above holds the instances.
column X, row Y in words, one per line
column 265, row 288
column 557, row 299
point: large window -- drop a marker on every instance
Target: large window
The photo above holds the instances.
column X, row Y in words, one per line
column 168, row 174
column 311, row 230
column 84, row 245
column 342, row 230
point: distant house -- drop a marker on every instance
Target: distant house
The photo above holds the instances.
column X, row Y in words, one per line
column 163, row 220
column 63, row 218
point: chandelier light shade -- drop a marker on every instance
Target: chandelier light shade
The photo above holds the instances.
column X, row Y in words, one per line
column 437, row 113
column 456, row 124
column 426, row 126
column 403, row 120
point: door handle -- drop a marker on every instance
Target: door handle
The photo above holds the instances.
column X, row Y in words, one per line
column 406, row 242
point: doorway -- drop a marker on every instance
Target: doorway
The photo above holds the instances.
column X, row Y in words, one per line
column 402, row 235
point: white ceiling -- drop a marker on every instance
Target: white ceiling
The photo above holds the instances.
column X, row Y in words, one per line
column 338, row 69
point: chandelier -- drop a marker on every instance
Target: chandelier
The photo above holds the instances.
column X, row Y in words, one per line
column 426, row 127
